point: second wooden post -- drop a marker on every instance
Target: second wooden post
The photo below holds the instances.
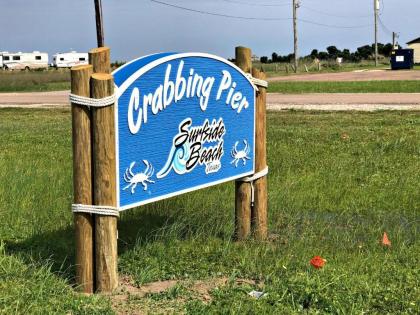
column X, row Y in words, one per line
column 243, row 189
column 259, row 210
column 104, row 191
column 104, row 172
column 253, row 219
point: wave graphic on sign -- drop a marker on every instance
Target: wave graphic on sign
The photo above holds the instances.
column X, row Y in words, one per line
column 177, row 160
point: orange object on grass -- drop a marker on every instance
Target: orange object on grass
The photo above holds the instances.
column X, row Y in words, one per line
column 318, row 262
column 385, row 240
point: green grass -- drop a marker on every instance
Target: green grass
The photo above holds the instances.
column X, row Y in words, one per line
column 287, row 87
column 32, row 288
column 34, row 81
column 279, row 69
column 337, row 181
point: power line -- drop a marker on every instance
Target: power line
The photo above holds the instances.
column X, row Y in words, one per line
column 282, row 4
column 334, row 15
column 219, row 14
column 257, row 18
column 384, row 28
column 335, row 26
column 382, row 24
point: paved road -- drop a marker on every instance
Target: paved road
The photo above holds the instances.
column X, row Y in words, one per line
column 375, row 75
column 275, row 101
column 34, row 98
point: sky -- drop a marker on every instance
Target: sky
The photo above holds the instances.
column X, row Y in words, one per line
column 134, row 28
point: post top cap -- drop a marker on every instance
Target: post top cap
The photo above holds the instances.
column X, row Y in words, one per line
column 81, row 67
column 98, row 50
column 102, row 76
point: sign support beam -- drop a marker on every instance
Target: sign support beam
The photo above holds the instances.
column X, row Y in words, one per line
column 104, row 172
column 259, row 210
column 82, row 179
column 104, row 189
column 243, row 189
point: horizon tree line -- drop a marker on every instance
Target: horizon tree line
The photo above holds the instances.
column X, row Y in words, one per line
column 365, row 52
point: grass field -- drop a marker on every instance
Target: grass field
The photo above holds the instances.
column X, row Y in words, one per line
column 288, row 87
column 336, row 183
column 34, row 81
column 279, row 69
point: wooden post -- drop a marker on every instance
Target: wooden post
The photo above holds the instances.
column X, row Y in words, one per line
column 106, row 252
column 104, row 189
column 82, row 179
column 100, row 59
column 243, row 189
column 243, row 59
column 259, row 210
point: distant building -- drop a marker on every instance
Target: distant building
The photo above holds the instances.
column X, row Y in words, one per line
column 415, row 45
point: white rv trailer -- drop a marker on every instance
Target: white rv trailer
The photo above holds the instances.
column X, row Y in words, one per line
column 1, row 58
column 25, row 61
column 70, row 59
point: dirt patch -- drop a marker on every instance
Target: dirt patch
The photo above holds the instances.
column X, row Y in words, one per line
column 132, row 299
column 128, row 287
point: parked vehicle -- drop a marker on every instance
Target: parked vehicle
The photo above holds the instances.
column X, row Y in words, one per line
column 1, row 58
column 70, row 59
column 25, row 61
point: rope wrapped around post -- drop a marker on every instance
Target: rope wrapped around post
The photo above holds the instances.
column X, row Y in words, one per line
column 104, row 210
column 251, row 179
column 257, row 82
column 93, row 102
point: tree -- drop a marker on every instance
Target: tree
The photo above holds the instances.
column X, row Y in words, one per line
column 333, row 52
column 274, row 57
column 314, row 53
column 323, row 55
column 289, row 57
column 365, row 51
column 386, row 50
column 264, row 59
column 356, row 57
column 346, row 54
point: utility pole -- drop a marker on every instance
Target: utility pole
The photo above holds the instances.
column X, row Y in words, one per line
column 376, row 9
column 296, row 5
column 99, row 23
column 394, row 39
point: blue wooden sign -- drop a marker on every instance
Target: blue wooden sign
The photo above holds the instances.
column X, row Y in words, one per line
column 183, row 122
